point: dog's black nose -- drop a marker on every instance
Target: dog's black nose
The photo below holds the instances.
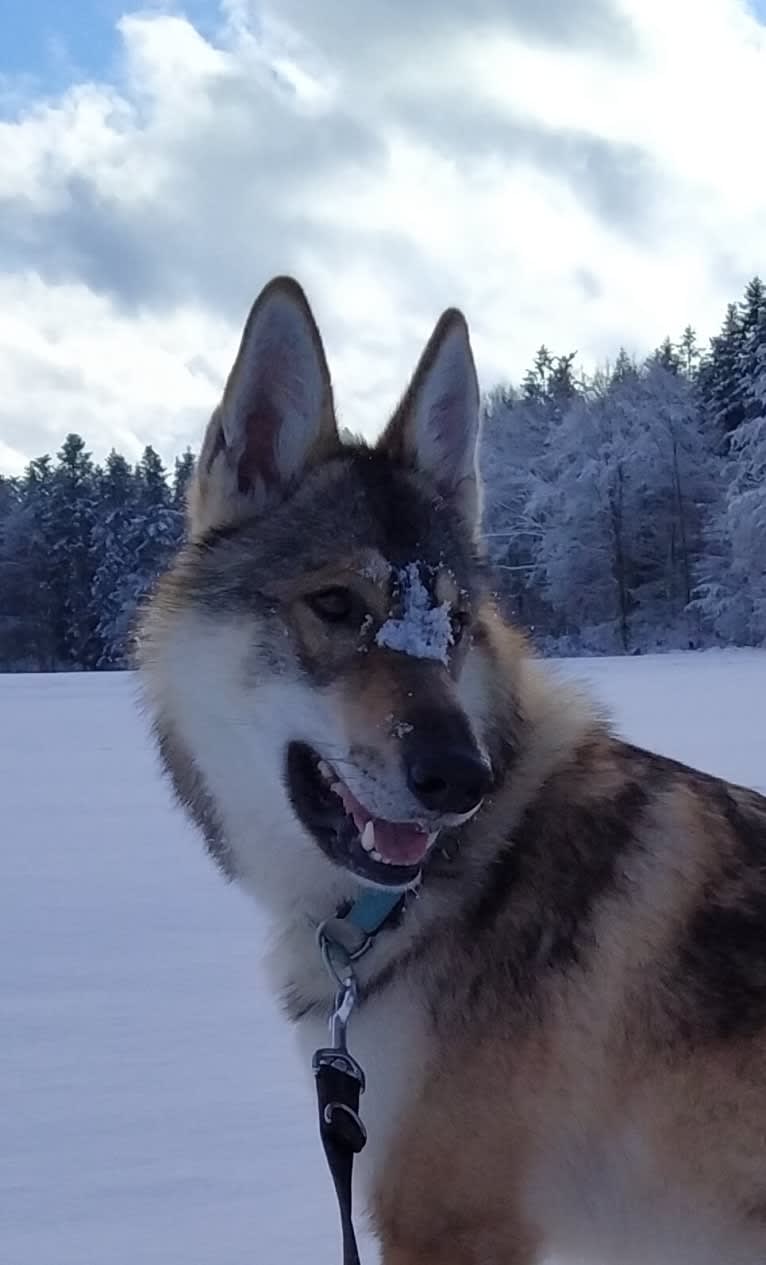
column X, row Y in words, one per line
column 449, row 779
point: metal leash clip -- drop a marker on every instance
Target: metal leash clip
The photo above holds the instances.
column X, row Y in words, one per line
column 335, row 1060
column 338, row 964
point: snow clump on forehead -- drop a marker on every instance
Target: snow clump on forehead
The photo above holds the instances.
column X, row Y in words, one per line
column 423, row 629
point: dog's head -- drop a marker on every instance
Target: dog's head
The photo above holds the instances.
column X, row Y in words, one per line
column 314, row 659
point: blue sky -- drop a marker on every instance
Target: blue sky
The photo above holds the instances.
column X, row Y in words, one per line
column 60, row 43
column 55, row 43
column 578, row 173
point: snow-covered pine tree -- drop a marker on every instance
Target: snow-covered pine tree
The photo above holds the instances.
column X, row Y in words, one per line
column 512, row 444
column 28, row 570
column 149, row 532
column 163, row 521
column 731, row 594
column 752, row 306
column 182, row 473
column 112, row 544
column 10, row 588
column 720, row 380
column 689, row 353
column 753, row 348
column 667, row 356
column 732, row 588
column 516, row 433
column 152, row 535
column 72, row 512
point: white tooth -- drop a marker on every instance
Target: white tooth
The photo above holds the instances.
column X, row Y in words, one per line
column 325, row 770
column 368, row 837
column 377, row 857
column 433, row 837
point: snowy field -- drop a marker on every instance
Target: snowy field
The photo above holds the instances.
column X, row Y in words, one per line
column 153, row 1110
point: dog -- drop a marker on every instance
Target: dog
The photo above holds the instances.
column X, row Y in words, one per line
column 563, row 1026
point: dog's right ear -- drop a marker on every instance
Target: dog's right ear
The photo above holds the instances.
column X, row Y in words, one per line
column 276, row 418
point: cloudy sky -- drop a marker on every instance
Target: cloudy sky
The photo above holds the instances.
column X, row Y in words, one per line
column 587, row 173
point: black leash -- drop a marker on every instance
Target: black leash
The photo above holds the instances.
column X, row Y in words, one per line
column 340, row 1081
column 339, row 1078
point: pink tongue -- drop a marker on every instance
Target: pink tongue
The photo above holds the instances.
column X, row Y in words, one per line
column 401, row 842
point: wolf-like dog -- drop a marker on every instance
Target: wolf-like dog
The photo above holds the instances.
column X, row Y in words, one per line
column 564, row 1024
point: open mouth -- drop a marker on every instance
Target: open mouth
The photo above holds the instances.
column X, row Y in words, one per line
column 387, row 852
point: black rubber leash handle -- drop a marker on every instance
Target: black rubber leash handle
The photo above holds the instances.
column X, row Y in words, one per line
column 339, row 1082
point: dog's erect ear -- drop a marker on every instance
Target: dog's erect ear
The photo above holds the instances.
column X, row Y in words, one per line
column 436, row 427
column 276, row 418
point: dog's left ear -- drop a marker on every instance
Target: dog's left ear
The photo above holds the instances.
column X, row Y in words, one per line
column 276, row 418
column 436, row 427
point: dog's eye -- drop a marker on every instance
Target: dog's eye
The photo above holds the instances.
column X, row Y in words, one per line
column 335, row 605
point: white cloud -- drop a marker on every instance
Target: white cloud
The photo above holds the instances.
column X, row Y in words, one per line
column 72, row 360
column 584, row 173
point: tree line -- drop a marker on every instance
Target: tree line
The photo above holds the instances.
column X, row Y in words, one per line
column 79, row 546
column 625, row 511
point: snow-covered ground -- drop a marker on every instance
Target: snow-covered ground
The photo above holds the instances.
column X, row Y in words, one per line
column 153, row 1109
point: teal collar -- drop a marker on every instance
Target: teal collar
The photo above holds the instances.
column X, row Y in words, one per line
column 348, row 936
column 372, row 909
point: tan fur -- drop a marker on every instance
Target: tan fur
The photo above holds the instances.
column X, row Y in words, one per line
column 494, row 1113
